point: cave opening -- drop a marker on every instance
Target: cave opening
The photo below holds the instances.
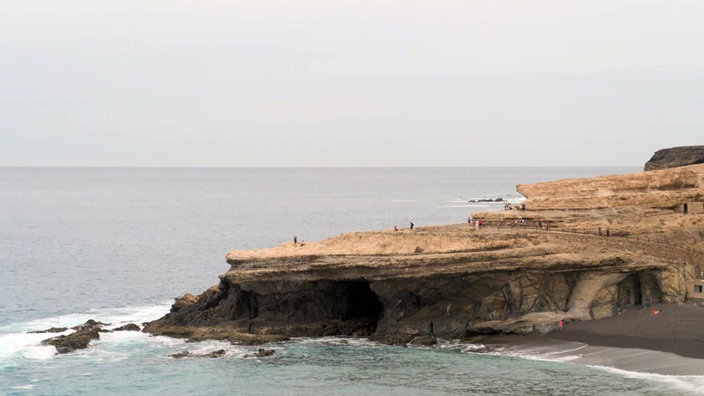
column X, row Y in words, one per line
column 640, row 288
column 359, row 302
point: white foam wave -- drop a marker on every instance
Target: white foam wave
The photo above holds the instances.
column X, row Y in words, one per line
column 24, row 387
column 16, row 342
column 205, row 347
column 352, row 341
column 570, row 352
column 25, row 345
column 689, row 383
column 115, row 316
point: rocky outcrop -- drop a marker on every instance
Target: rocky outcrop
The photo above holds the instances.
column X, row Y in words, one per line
column 457, row 282
column 261, row 353
column 128, row 327
column 184, row 354
column 676, row 156
column 80, row 339
column 49, row 330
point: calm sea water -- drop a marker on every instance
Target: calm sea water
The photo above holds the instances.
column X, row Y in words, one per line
column 117, row 245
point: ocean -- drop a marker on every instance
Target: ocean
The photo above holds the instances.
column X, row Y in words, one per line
column 119, row 244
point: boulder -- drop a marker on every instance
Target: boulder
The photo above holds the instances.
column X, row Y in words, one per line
column 128, row 327
column 675, row 157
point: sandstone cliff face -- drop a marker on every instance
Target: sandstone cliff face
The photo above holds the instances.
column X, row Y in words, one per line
column 664, row 189
column 453, row 281
column 676, row 156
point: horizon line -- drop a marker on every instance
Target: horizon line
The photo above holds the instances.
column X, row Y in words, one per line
column 302, row 166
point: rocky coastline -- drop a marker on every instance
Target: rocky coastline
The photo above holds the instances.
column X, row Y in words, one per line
column 585, row 249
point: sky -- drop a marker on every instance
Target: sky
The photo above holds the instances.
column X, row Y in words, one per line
column 348, row 83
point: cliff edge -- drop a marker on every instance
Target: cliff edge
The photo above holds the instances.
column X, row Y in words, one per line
column 676, row 156
column 585, row 249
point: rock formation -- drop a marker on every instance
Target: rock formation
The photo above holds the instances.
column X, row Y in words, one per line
column 676, row 156
column 79, row 339
column 456, row 282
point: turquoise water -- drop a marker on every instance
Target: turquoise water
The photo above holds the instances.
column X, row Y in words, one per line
column 117, row 245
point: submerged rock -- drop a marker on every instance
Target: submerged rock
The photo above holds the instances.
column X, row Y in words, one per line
column 49, row 330
column 260, row 353
column 184, row 354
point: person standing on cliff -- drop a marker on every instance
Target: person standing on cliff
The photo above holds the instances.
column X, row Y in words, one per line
column 295, row 240
column 411, row 225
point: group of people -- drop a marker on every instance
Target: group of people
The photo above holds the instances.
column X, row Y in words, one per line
column 478, row 223
column 411, row 225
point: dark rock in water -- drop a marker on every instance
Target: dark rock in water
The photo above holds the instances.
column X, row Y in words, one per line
column 77, row 340
column 128, row 327
column 180, row 355
column 676, row 156
column 485, row 200
column 260, row 353
column 50, row 330
column 90, row 324
column 426, row 340
column 214, row 354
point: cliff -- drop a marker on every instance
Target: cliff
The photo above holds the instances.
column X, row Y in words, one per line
column 676, row 156
column 454, row 281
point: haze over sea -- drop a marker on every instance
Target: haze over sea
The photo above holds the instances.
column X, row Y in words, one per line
column 118, row 244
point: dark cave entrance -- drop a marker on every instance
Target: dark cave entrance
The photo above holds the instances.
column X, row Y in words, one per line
column 358, row 301
column 641, row 288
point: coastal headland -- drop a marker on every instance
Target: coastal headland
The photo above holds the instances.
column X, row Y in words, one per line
column 582, row 250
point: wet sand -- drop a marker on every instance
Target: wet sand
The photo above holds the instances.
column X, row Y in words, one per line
column 671, row 342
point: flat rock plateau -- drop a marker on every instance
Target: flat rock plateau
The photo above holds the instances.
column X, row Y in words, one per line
column 585, row 249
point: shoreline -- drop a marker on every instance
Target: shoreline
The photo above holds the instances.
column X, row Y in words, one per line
column 669, row 343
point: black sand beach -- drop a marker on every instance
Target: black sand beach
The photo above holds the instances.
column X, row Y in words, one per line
column 670, row 342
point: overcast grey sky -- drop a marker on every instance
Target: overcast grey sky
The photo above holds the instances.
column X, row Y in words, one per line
column 348, row 83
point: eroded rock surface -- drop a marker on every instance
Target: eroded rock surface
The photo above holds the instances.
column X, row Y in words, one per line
column 676, row 156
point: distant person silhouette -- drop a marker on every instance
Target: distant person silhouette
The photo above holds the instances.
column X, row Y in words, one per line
column 411, row 225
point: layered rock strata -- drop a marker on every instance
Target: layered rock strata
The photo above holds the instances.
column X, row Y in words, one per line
column 454, row 281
